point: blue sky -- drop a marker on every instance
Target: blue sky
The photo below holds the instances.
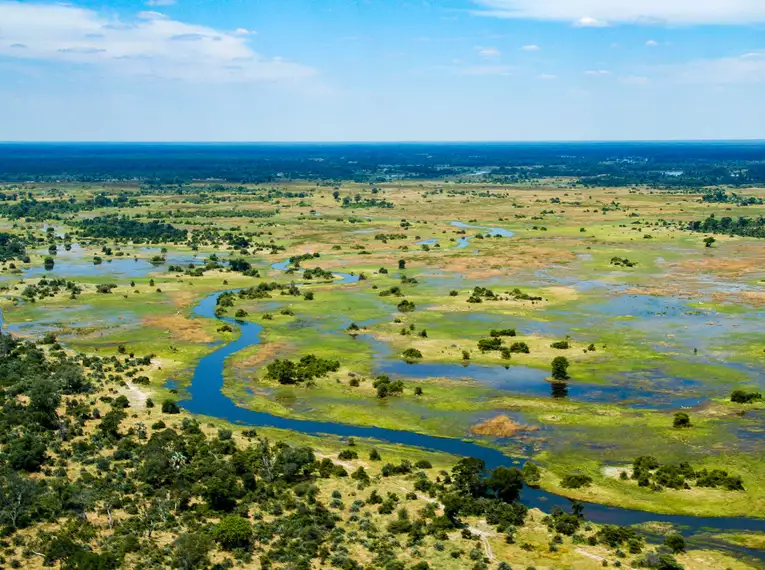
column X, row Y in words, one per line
column 368, row 70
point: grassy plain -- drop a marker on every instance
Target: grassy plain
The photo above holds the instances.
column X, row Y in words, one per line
column 678, row 331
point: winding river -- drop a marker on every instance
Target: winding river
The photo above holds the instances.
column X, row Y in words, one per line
column 206, row 398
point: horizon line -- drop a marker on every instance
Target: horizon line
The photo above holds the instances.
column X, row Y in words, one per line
column 362, row 142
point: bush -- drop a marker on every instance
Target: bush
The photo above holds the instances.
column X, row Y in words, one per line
column 411, row 354
column 576, row 480
column 560, row 366
column 741, row 397
column 675, row 542
column 487, row 344
column 170, row 407
column 233, row 532
column 519, row 348
column 681, row 420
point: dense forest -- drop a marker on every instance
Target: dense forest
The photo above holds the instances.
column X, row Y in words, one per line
column 676, row 164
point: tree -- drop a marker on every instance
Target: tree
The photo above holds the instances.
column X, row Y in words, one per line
column 468, row 476
column 402, row 264
column 411, row 354
column 17, row 497
column 675, row 542
column 560, row 366
column 681, row 420
column 110, row 424
column 170, row 407
column 531, row 474
column 234, row 532
column 191, row 551
column 506, row 483
column 27, row 452
column 709, row 241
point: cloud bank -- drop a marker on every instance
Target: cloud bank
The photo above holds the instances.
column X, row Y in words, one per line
column 594, row 13
column 150, row 45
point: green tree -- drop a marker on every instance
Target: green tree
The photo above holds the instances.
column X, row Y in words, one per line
column 709, row 241
column 675, row 542
column 191, row 551
column 233, row 532
column 560, row 366
column 506, row 483
column 681, row 420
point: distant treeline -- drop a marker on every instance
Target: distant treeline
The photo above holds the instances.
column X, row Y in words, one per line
column 122, row 227
column 720, row 196
column 185, row 214
column 676, row 164
column 53, row 209
column 747, row 227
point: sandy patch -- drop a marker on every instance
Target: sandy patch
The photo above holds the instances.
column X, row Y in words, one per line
column 135, row 396
column 615, row 472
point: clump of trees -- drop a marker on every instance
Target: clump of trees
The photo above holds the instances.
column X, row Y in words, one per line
column 386, row 387
column 128, row 229
column 744, row 397
column 648, row 472
column 306, row 369
column 742, row 226
column 622, row 262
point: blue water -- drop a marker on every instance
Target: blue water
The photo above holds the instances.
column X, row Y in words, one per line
column 206, row 398
column 494, row 232
column 533, row 382
column 464, row 241
column 345, row 278
column 78, row 262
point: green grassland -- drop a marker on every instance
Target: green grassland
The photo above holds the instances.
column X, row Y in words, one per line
column 684, row 316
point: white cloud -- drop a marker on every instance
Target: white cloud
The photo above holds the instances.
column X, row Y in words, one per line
column 150, row 45
column 488, row 51
column 243, row 32
column 590, row 22
column 160, row 2
column 547, row 76
column 652, row 43
column 648, row 12
column 151, row 15
column 531, row 48
column 597, row 72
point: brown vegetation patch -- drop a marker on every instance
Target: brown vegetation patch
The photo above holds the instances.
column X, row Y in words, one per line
column 180, row 327
column 499, row 426
column 726, row 266
column 182, row 299
column 265, row 353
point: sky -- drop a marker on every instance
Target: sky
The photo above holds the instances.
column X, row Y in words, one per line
column 381, row 70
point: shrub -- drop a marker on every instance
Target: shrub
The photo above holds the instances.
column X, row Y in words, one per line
column 576, row 481
column 170, row 407
column 233, row 532
column 411, row 354
column 560, row 366
column 741, row 397
column 681, row 420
